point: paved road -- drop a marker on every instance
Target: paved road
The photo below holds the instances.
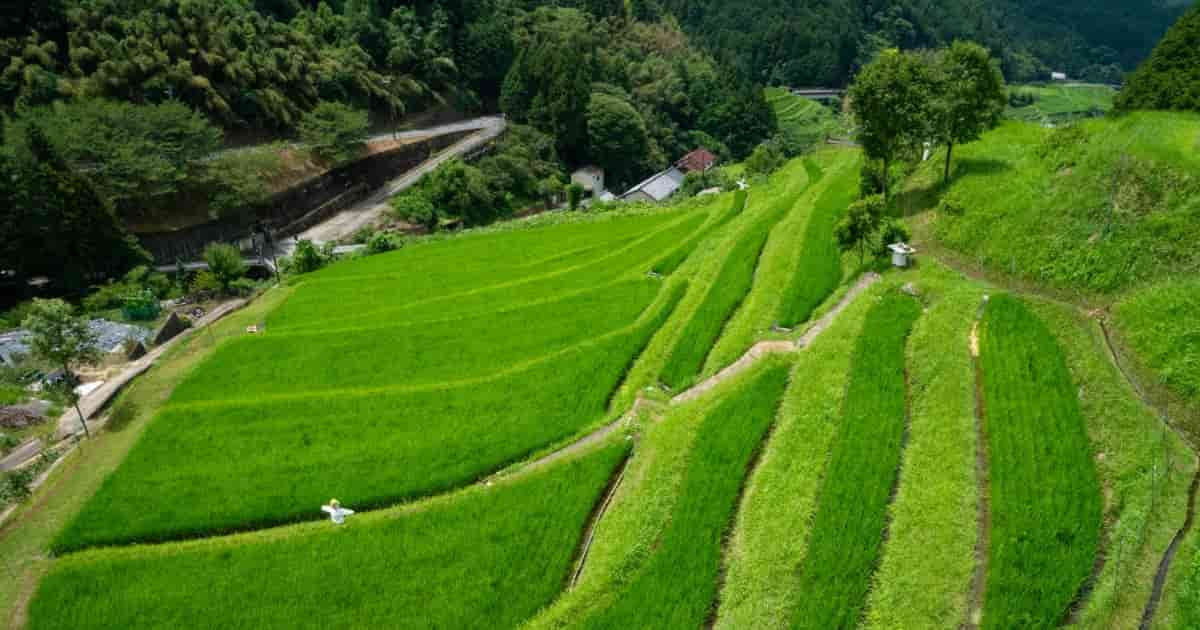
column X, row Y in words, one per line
column 412, row 134
column 367, row 211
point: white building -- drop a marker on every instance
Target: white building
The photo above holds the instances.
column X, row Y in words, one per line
column 657, row 188
column 592, row 180
column 1058, row 76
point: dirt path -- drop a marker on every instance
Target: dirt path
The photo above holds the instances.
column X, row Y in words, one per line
column 983, row 516
column 765, row 348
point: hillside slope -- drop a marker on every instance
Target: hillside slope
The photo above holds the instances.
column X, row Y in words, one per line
column 1098, row 207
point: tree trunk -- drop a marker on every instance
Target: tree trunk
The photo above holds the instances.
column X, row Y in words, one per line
column 949, row 152
column 75, row 400
column 886, row 177
column 82, row 421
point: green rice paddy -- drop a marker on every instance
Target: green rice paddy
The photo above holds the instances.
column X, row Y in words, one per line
column 851, row 516
column 829, row 486
column 503, row 552
column 1045, row 497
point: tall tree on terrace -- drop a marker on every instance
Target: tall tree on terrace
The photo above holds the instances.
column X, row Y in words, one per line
column 60, row 338
column 891, row 103
column 970, row 96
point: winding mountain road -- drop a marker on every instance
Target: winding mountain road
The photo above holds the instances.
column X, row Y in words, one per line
column 369, row 210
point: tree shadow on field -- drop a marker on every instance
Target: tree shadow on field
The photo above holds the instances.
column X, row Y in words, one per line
column 924, row 195
column 978, row 166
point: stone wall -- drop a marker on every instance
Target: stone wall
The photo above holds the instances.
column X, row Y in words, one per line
column 301, row 206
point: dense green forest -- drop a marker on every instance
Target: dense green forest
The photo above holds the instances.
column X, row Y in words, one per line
column 823, row 42
column 1170, row 78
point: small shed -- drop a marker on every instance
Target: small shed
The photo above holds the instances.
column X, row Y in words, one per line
column 657, row 188
column 591, row 178
column 1058, row 76
column 902, row 254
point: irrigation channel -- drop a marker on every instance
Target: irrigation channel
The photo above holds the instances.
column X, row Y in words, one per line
column 1164, row 565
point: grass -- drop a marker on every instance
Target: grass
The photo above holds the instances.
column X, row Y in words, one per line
column 802, row 181
column 863, row 468
column 1161, row 324
column 485, row 558
column 802, row 117
column 774, row 520
column 254, row 465
column 819, row 270
column 23, row 541
column 1145, row 470
column 1058, row 103
column 1188, row 595
column 473, row 285
column 1040, row 205
column 670, row 264
column 722, row 298
column 1045, row 496
column 418, row 354
column 677, row 585
column 925, row 572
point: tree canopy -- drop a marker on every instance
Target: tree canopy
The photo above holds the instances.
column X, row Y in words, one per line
column 1170, row 78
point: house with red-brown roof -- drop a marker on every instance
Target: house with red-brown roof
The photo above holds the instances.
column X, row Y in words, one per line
column 697, row 161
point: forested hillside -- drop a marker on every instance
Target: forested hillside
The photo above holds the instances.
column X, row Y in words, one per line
column 1170, row 78
column 811, row 42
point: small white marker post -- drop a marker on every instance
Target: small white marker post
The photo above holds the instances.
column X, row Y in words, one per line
column 337, row 513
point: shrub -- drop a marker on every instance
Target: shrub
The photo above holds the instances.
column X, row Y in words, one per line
column 140, row 280
column 379, row 243
column 893, row 231
column 334, row 132
column 415, row 207
column 225, row 263
column 141, row 306
column 16, row 485
column 766, row 159
column 122, row 414
column 205, row 283
column 1021, row 98
column 242, row 287
column 13, row 317
column 574, row 196
column 307, row 258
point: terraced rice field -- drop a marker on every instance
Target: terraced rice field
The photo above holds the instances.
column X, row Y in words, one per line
column 503, row 551
column 863, row 470
column 677, row 586
column 274, row 425
column 801, row 117
column 1045, row 497
column 473, row 397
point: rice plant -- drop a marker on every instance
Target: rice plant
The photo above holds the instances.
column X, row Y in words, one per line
column 847, row 533
column 486, row 558
column 731, row 285
column 676, row 587
column 820, row 269
column 668, row 265
column 1045, row 496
